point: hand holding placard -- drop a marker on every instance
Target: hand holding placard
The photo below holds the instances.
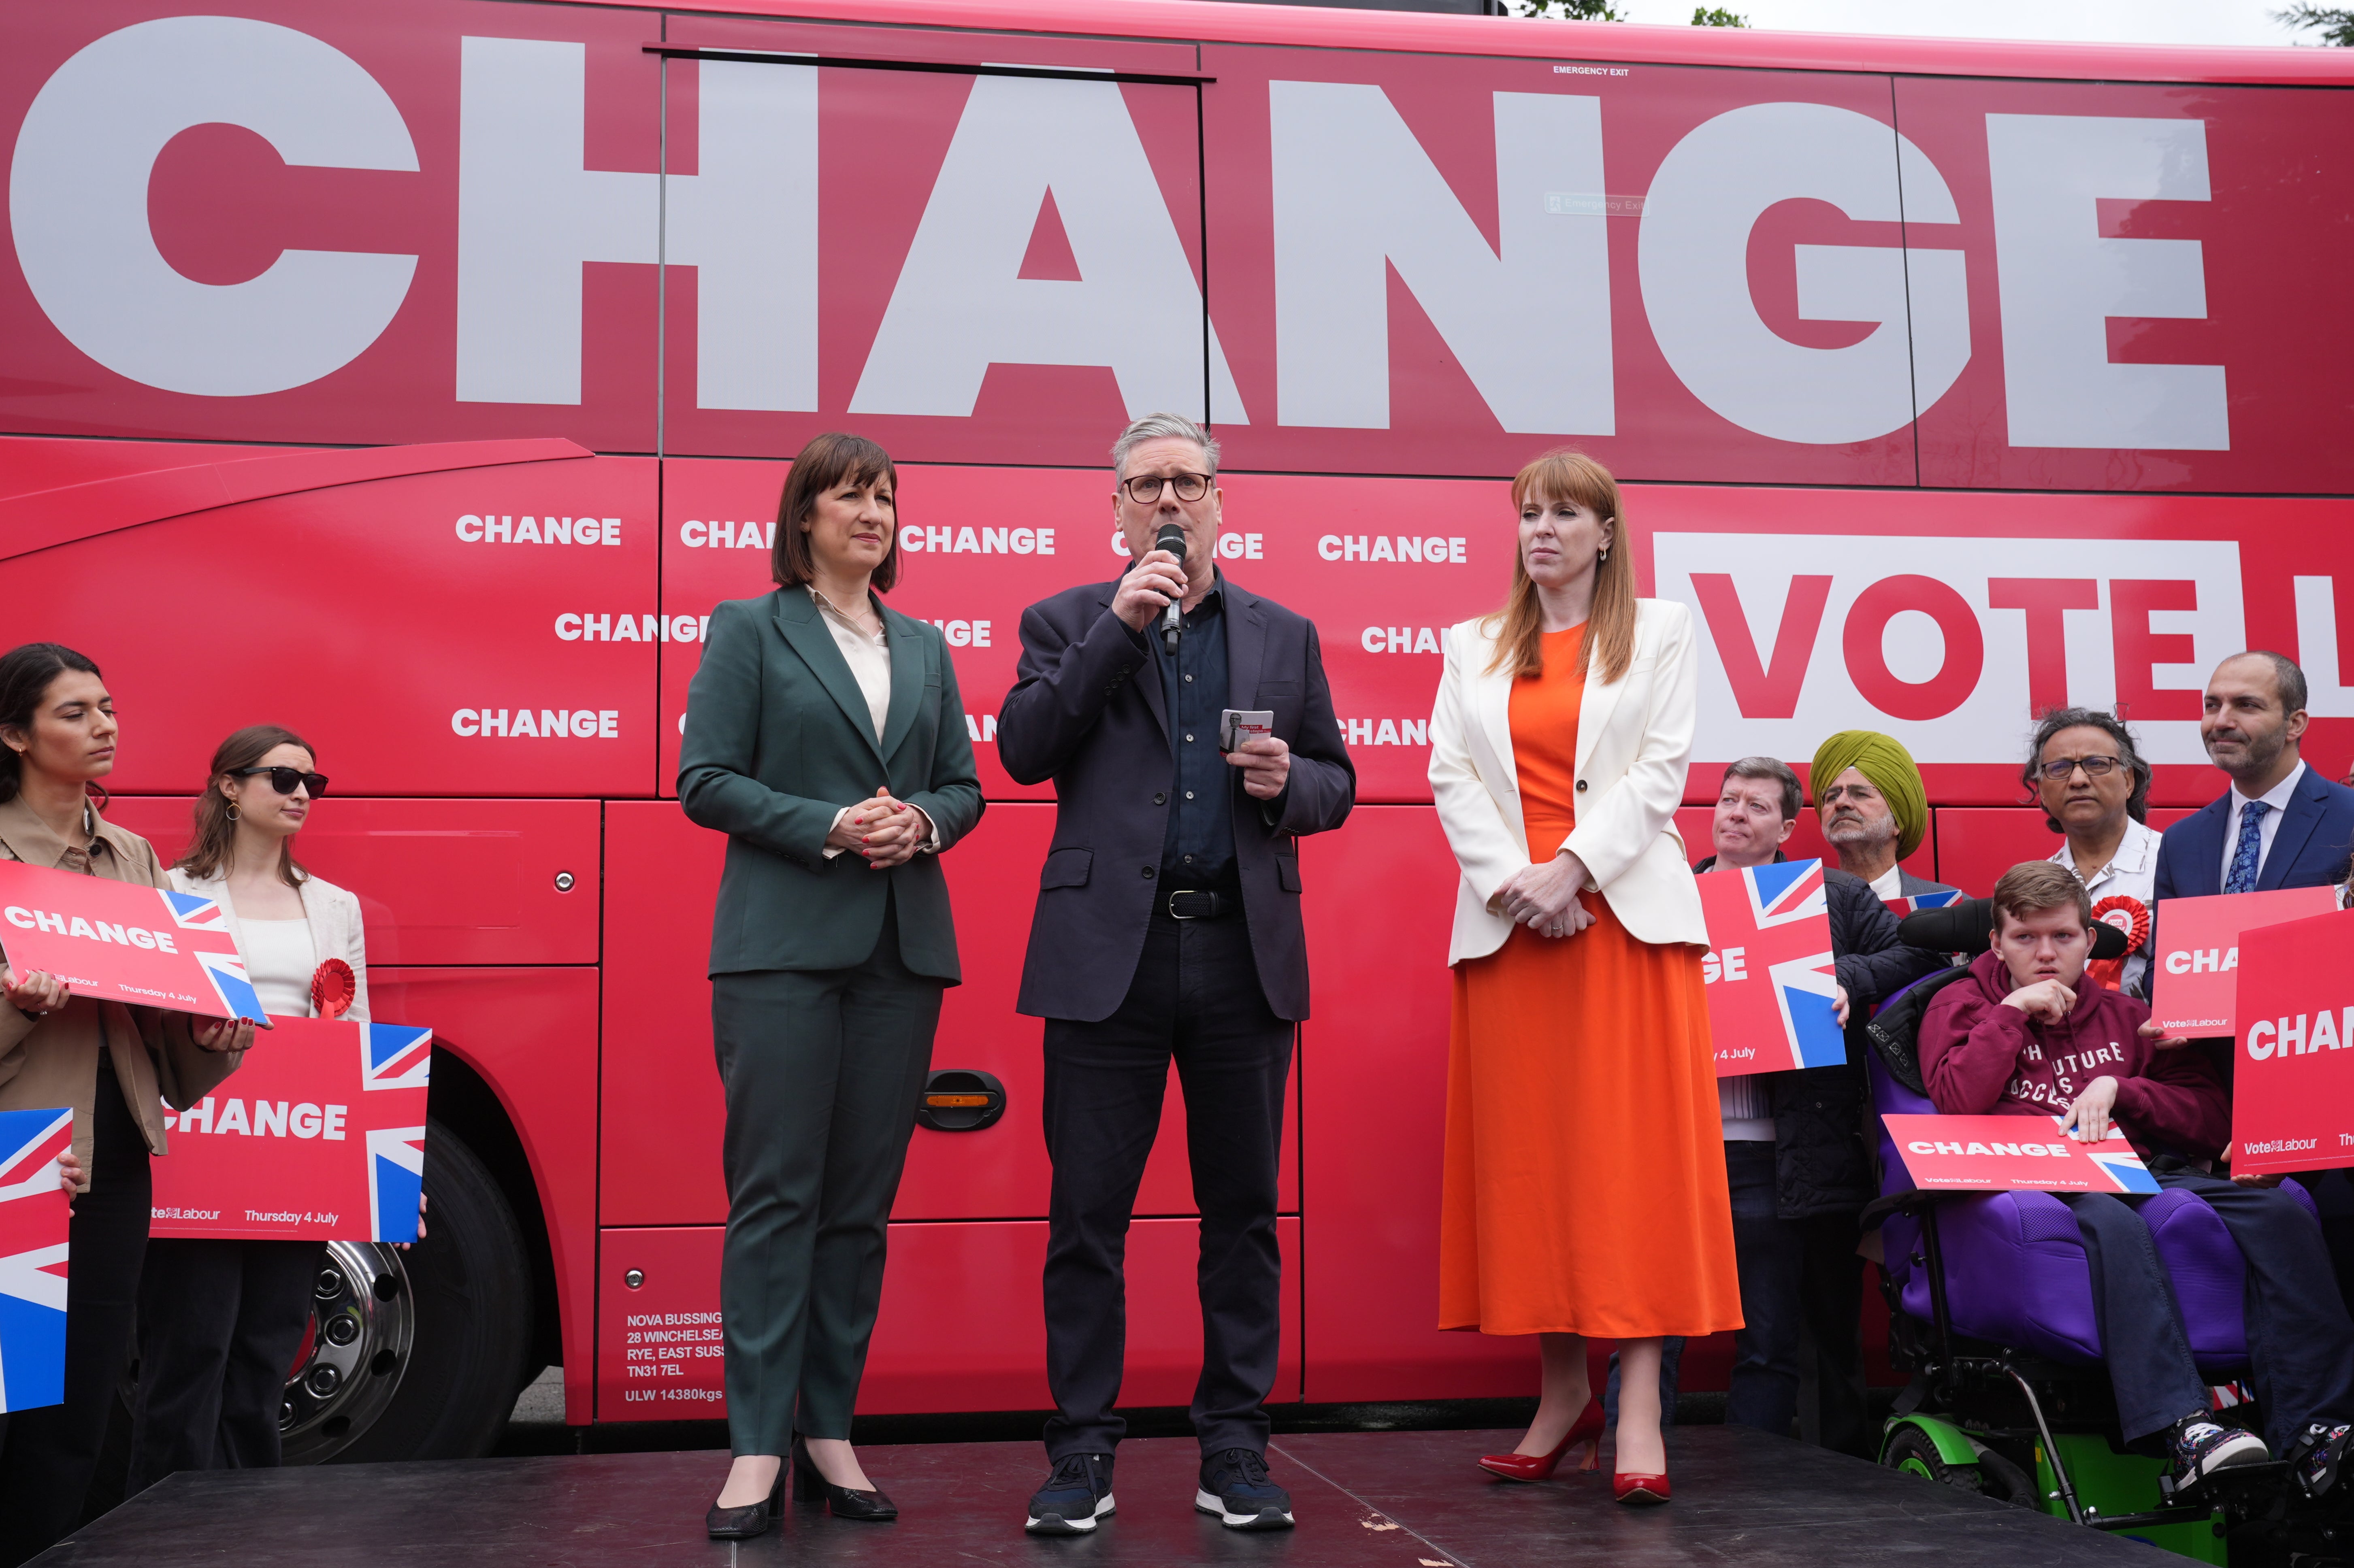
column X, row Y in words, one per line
column 119, row 941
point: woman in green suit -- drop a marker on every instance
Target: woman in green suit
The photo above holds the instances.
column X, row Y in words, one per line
column 825, row 738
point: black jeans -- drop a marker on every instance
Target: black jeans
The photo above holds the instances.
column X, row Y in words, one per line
column 1801, row 1280
column 2142, row 1340
column 1195, row 998
column 220, row 1322
column 47, row 1454
column 2300, row 1341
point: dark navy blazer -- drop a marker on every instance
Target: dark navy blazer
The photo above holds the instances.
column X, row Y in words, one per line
column 2309, row 847
column 1087, row 710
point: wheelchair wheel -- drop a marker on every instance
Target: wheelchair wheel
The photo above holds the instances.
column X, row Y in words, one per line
column 1910, row 1452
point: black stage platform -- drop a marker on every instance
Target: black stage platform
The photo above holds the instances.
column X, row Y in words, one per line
column 1388, row 1500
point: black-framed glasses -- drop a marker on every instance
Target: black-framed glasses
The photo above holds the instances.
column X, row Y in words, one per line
column 285, row 779
column 1145, row 488
column 2059, row 768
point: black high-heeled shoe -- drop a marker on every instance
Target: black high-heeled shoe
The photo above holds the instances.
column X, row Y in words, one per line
column 810, row 1484
column 752, row 1519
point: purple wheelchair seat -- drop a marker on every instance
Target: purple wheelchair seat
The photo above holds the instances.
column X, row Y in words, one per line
column 2015, row 1267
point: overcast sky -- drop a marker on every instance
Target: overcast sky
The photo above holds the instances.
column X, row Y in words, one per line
column 2088, row 21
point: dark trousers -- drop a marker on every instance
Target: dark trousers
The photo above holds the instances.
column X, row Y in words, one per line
column 2300, row 1340
column 2142, row 1339
column 822, row 1070
column 1801, row 1305
column 1196, row 999
column 47, row 1454
column 220, row 1322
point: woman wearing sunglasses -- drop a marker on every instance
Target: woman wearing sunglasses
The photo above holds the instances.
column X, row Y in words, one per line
column 117, row 1066
column 219, row 1321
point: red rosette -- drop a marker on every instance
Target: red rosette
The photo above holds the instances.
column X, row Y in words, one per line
column 2128, row 914
column 332, row 986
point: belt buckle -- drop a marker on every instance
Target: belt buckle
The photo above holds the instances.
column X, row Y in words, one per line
column 1174, row 897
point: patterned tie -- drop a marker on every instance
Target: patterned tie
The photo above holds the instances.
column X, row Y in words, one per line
column 2244, row 855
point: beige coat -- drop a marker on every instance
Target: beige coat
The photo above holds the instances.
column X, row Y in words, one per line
column 54, row 1062
column 1634, row 741
column 334, row 916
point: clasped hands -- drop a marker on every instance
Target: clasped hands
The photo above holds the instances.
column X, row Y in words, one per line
column 888, row 833
column 1544, row 897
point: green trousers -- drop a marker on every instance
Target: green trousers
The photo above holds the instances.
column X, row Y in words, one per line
column 823, row 1069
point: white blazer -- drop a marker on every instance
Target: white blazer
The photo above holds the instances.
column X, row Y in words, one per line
column 336, row 929
column 1634, row 741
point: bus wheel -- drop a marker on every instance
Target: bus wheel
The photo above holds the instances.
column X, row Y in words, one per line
column 417, row 1354
column 1911, row 1452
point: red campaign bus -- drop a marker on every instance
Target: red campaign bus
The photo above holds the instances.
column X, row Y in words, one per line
column 421, row 374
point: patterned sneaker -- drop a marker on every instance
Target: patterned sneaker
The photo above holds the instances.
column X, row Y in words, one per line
column 2201, row 1448
column 1235, row 1488
column 1075, row 1497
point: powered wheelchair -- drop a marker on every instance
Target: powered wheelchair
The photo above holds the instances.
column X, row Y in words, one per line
column 1990, row 1310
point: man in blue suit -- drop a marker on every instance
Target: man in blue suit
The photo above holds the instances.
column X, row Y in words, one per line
column 2280, row 824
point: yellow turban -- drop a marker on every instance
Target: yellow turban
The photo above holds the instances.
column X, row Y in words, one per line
column 1884, row 762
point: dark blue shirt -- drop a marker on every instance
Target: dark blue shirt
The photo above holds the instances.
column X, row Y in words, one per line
column 1199, row 850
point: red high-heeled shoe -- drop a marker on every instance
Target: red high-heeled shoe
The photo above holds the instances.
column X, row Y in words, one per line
column 1585, row 1430
column 1638, row 1490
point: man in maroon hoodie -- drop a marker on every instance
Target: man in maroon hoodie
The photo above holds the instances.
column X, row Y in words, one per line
column 2028, row 1034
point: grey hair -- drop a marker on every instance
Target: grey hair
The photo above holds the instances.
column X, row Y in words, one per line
column 1771, row 770
column 2057, row 719
column 1162, row 426
column 2287, row 679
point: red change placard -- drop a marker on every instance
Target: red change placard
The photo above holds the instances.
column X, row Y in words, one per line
column 121, row 942
column 2196, row 977
column 2003, row 1153
column 319, row 1135
column 2293, row 1087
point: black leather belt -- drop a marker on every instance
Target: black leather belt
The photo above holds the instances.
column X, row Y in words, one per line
column 1190, row 904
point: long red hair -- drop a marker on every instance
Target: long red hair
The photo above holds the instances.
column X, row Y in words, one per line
column 1564, row 475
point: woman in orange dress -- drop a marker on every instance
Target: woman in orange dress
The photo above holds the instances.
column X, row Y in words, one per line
column 1585, row 1190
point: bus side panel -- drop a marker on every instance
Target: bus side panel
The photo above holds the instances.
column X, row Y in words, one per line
column 439, row 882
column 961, row 1326
column 532, row 1034
column 663, row 1110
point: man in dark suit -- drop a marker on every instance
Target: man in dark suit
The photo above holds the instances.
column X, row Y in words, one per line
column 2280, row 824
column 1168, row 925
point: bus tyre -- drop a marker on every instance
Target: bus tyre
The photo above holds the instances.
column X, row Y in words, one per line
column 1911, row 1452
column 428, row 1351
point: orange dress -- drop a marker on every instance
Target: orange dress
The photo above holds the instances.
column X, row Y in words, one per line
column 1584, row 1189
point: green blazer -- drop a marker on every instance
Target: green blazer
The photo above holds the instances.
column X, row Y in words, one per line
column 779, row 739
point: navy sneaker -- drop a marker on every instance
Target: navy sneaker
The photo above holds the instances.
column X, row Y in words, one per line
column 2319, row 1454
column 2202, row 1446
column 1235, row 1487
column 1075, row 1497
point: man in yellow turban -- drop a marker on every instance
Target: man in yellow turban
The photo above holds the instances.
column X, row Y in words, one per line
column 1873, row 810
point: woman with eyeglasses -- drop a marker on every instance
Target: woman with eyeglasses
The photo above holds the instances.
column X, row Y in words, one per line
column 2094, row 787
column 220, row 1320
column 116, row 1065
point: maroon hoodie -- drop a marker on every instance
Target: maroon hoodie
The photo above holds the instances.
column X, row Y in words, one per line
column 1979, row 1057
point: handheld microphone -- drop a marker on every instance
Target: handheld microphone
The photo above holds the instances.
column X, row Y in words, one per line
column 1171, row 538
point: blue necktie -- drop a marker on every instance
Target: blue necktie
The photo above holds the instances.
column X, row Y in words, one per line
column 2246, row 853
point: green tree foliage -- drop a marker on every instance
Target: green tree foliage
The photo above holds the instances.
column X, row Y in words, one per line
column 2334, row 22
column 1571, row 10
column 1717, row 16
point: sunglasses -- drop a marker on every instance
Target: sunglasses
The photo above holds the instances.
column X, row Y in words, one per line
column 285, row 779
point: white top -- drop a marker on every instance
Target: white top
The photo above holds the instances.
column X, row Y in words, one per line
column 2132, row 873
column 280, row 959
column 1745, row 1108
column 869, row 659
column 2277, row 798
column 1889, row 883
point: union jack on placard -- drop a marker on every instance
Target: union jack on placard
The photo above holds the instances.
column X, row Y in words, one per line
column 1773, row 989
column 395, row 1057
column 395, row 1177
column 1788, row 891
column 227, row 972
column 1901, row 908
column 33, row 1248
column 2126, row 1170
column 194, row 911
